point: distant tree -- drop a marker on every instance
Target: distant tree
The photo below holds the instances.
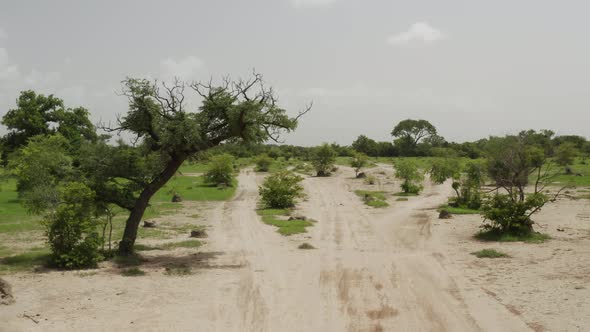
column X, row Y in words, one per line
column 358, row 161
column 409, row 133
column 566, row 153
column 468, row 185
column 443, row 169
column 365, row 145
column 263, row 163
column 411, row 176
column 323, row 159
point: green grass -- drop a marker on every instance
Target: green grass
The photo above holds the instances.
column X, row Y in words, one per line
column 374, row 199
column 178, row 270
column 534, row 237
column 128, row 261
column 489, row 253
column 170, row 245
column 403, row 194
column 402, row 199
column 285, row 227
column 26, row 261
column 192, row 188
column 458, row 210
column 133, row 272
column 14, row 217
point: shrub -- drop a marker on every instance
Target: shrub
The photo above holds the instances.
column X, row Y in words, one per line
column 323, row 159
column 72, row 230
column 370, row 179
column 411, row 176
column 280, row 190
column 221, row 170
column 358, row 161
column 263, row 163
column 443, row 169
column 505, row 214
column 489, row 253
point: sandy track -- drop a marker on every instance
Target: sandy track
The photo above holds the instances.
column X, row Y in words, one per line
column 374, row 270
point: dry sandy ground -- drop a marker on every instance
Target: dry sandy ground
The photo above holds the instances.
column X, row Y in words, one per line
column 392, row 269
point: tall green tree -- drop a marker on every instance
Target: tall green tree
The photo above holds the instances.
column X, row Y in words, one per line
column 409, row 133
column 170, row 133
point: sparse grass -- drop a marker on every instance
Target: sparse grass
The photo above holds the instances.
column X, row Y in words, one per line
column 286, row 227
column 178, row 270
column 402, row 199
column 133, row 272
column 458, row 210
column 86, row 274
column 306, row 246
column 489, row 253
column 192, row 188
column 170, row 245
column 374, row 199
column 26, row 261
column 402, row 194
column 534, row 237
column 128, row 261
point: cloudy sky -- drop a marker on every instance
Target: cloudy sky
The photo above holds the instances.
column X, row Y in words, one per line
column 472, row 68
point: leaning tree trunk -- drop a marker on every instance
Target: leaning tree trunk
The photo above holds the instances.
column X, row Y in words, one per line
column 142, row 202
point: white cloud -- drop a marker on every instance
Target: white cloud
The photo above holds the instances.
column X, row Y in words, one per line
column 312, row 3
column 418, row 32
column 185, row 68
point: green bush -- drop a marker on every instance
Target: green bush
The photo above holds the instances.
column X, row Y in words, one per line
column 72, row 230
column 280, row 190
column 263, row 163
column 221, row 170
column 443, row 169
column 323, row 159
column 505, row 214
column 358, row 161
column 410, row 174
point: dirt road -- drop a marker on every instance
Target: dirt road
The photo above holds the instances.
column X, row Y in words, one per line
column 373, row 270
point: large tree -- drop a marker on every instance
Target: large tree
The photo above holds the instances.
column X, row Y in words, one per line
column 409, row 133
column 169, row 133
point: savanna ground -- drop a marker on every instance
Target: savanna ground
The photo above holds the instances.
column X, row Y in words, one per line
column 396, row 267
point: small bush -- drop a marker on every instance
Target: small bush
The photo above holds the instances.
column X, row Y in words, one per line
column 263, row 163
column 489, row 253
column 221, row 170
column 370, row 180
column 358, row 161
column 323, row 159
column 306, row 246
column 280, row 190
column 410, row 174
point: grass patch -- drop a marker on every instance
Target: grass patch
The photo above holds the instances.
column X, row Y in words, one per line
column 128, row 261
column 374, row 199
column 306, row 246
column 13, row 216
column 489, row 253
column 26, row 261
column 178, row 270
column 401, row 199
column 458, row 210
column 403, row 194
column 534, row 237
column 170, row 245
column 133, row 272
column 286, row 227
column 192, row 188
column 86, row 274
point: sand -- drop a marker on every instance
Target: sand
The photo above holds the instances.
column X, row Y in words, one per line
column 393, row 269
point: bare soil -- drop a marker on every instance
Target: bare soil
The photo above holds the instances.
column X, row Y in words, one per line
column 398, row 268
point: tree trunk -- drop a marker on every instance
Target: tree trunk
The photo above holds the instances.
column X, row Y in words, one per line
column 132, row 224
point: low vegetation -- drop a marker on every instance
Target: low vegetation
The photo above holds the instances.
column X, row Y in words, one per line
column 375, row 199
column 411, row 176
column 133, row 272
column 280, row 190
column 533, row 237
column 489, row 253
column 280, row 218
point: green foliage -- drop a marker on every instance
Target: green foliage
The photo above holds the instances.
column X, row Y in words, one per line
column 278, row 218
column 221, row 170
column 409, row 133
column 566, row 153
column 358, row 161
column 505, row 214
column 370, row 179
column 489, row 253
column 280, row 190
column 72, row 229
column 533, row 237
column 323, row 159
column 443, row 169
column 374, row 199
column 306, row 246
column 459, row 210
column 263, row 163
column 411, row 176
column 468, row 187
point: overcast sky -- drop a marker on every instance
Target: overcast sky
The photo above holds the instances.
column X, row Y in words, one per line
column 472, row 68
